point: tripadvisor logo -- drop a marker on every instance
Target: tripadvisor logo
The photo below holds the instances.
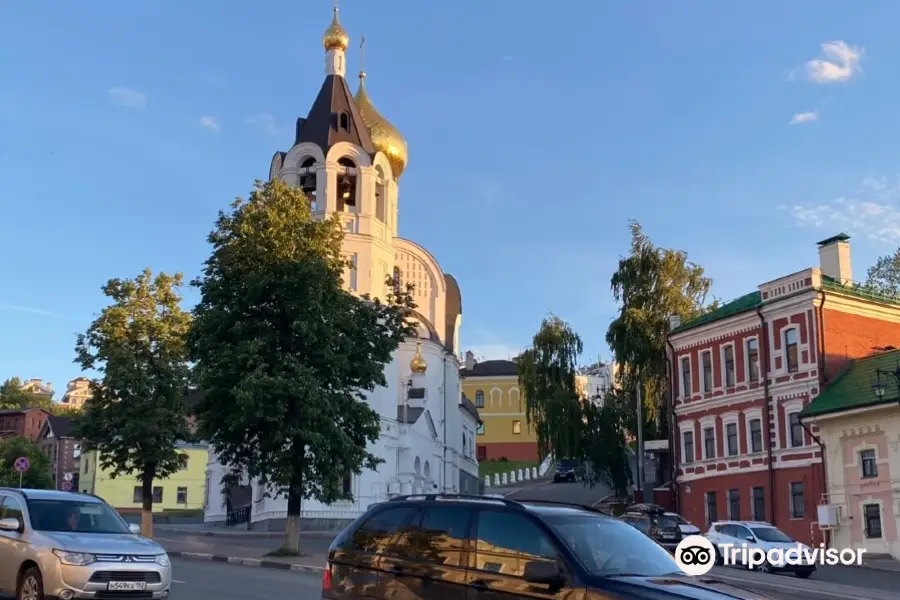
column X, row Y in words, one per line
column 696, row 556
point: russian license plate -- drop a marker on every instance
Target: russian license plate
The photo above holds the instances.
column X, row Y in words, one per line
column 126, row 586
column 668, row 536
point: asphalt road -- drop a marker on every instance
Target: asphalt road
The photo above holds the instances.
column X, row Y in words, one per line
column 197, row 579
column 575, row 493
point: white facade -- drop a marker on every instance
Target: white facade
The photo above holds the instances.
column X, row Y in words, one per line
column 596, row 380
column 424, row 421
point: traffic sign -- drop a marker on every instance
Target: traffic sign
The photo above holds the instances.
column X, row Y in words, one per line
column 22, row 464
column 67, row 486
column 69, row 476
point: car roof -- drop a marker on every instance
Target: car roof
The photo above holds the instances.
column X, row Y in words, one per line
column 746, row 523
column 30, row 494
column 539, row 508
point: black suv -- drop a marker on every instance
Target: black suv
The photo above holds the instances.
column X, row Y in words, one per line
column 566, row 470
column 454, row 547
column 654, row 521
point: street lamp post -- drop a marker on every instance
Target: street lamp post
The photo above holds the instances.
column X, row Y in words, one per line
column 883, row 377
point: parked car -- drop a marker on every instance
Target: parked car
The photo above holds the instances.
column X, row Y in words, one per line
column 757, row 534
column 453, row 547
column 687, row 528
column 567, row 470
column 68, row 545
column 657, row 523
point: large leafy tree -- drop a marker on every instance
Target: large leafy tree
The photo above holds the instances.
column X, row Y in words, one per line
column 884, row 276
column 604, row 447
column 38, row 475
column 13, row 397
column 651, row 285
column 284, row 355
column 136, row 416
column 547, row 373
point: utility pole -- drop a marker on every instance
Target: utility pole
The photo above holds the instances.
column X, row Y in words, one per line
column 639, row 459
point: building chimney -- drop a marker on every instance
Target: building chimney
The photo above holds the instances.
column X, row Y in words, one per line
column 470, row 360
column 834, row 259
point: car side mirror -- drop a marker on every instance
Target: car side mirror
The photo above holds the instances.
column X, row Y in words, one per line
column 11, row 524
column 542, row 571
column 134, row 528
column 750, row 538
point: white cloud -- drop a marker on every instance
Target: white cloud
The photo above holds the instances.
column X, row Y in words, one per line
column 28, row 309
column 128, row 98
column 840, row 63
column 266, row 122
column 210, row 124
column 873, row 212
column 805, row 117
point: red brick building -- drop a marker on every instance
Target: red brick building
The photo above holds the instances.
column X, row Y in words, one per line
column 26, row 421
column 742, row 373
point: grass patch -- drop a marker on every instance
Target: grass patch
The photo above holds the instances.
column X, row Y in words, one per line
column 284, row 553
column 497, row 467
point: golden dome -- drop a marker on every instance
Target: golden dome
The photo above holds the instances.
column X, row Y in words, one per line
column 335, row 37
column 385, row 136
column 418, row 364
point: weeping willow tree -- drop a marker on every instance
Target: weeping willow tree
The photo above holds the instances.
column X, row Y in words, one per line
column 547, row 379
column 651, row 284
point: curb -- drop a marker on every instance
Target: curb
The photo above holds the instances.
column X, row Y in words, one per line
column 247, row 534
column 248, row 562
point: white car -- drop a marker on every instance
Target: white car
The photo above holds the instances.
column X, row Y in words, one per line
column 761, row 536
column 687, row 528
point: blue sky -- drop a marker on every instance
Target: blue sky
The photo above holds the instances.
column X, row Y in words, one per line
column 535, row 131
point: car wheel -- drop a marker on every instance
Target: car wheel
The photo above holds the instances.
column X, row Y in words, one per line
column 719, row 560
column 31, row 585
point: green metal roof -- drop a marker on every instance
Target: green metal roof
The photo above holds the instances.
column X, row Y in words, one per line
column 739, row 305
column 841, row 237
column 853, row 388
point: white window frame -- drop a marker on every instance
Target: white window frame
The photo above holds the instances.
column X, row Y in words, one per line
column 725, row 365
column 681, row 361
column 784, row 348
column 684, row 427
column 862, row 516
column 747, row 340
column 712, row 372
column 705, row 424
column 750, row 415
column 791, row 500
column 731, row 419
column 791, row 408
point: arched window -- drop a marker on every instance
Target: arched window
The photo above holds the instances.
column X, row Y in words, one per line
column 427, row 471
column 345, row 122
column 479, row 399
column 308, row 181
column 346, row 186
column 380, row 196
column 418, row 465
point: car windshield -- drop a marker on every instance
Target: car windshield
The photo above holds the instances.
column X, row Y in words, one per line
column 678, row 518
column 609, row 547
column 770, row 534
column 568, row 464
column 668, row 522
column 75, row 516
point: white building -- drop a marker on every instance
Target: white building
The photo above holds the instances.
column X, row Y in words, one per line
column 596, row 380
column 348, row 159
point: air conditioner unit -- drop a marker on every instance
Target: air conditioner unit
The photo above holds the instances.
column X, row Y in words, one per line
column 829, row 516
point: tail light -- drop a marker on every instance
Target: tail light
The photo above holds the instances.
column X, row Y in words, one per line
column 326, row 578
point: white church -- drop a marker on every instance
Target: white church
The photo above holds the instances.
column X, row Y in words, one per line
column 348, row 159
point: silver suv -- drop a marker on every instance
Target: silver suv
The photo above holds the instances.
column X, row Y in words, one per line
column 68, row 545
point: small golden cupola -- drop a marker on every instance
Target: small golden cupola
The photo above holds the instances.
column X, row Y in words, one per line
column 417, row 364
column 335, row 37
column 385, row 137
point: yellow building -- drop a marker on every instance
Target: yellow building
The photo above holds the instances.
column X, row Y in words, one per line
column 185, row 490
column 493, row 385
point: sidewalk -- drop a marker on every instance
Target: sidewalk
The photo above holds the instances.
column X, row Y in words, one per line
column 312, row 562
column 204, row 530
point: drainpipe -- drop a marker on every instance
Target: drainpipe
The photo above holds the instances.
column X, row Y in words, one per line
column 444, row 402
column 674, row 441
column 820, row 342
column 824, row 472
column 764, row 373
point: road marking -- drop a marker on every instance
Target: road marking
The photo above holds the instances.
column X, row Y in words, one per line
column 178, row 581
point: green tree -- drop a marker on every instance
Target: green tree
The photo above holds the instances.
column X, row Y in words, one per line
column 38, row 475
column 553, row 404
column 603, row 445
column 135, row 415
column 884, row 276
column 13, row 397
column 284, row 355
column 65, row 410
column 651, row 284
